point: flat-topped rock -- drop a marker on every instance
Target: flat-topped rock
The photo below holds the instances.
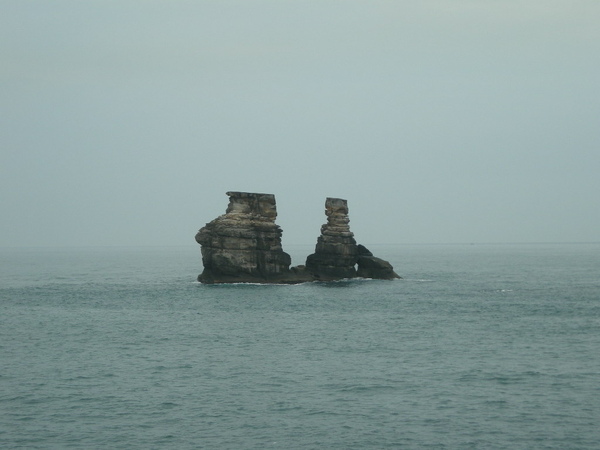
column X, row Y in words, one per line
column 261, row 206
column 244, row 244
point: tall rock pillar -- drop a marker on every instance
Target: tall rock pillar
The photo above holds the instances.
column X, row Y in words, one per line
column 336, row 252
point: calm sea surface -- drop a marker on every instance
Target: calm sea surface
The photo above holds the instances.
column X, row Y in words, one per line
column 479, row 346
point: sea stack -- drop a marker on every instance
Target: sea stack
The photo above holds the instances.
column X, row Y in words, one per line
column 336, row 252
column 244, row 244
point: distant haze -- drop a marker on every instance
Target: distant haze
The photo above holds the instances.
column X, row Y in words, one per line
column 440, row 121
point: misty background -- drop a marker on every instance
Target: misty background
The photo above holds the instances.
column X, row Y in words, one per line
column 464, row 121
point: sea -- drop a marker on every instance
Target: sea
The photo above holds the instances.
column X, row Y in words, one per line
column 476, row 347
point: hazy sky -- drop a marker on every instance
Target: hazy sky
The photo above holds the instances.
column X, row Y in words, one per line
column 441, row 121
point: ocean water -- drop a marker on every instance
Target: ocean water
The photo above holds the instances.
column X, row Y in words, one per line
column 478, row 346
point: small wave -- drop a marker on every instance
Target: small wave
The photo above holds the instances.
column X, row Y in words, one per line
column 370, row 388
column 286, row 408
column 322, row 412
column 168, row 405
column 25, row 418
column 225, row 285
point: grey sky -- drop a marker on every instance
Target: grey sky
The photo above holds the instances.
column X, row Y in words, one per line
column 125, row 122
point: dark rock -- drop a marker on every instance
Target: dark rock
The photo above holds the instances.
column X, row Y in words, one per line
column 363, row 251
column 297, row 274
column 373, row 267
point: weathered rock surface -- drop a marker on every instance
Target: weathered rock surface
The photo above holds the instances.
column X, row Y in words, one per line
column 244, row 245
column 336, row 252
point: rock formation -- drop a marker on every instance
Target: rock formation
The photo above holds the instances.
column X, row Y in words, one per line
column 370, row 266
column 336, row 252
column 244, row 245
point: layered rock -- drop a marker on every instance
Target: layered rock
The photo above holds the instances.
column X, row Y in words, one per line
column 336, row 252
column 244, row 244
